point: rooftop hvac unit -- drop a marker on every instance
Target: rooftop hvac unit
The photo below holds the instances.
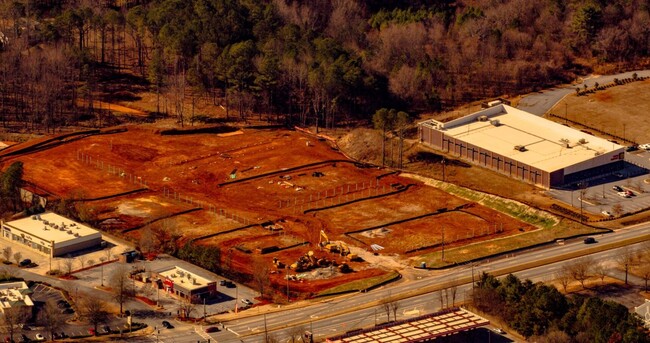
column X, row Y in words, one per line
column 483, row 118
column 495, row 122
column 598, row 153
column 33, row 217
column 76, row 234
column 521, row 148
column 45, row 222
column 70, row 232
column 55, row 226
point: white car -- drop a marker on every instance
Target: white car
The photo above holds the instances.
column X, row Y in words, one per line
column 499, row 331
column 39, row 337
column 623, row 194
column 645, row 146
column 606, row 214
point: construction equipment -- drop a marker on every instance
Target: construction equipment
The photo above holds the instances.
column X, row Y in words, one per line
column 324, row 243
column 345, row 252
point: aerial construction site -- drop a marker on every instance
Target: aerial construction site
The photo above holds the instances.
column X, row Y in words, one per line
column 275, row 201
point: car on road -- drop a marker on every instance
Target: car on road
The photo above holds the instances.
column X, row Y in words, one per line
column 167, row 324
column 39, row 337
column 26, row 262
column 617, row 188
column 590, row 240
column 645, row 146
column 606, row 213
column 246, row 301
column 499, row 331
column 212, row 329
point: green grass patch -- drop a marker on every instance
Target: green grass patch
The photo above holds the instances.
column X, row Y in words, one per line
column 360, row 285
column 478, row 250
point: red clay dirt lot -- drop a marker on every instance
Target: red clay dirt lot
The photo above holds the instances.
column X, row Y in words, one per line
column 294, row 180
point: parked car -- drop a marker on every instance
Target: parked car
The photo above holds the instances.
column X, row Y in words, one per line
column 91, row 331
column 167, row 324
column 24, row 338
column 107, row 329
column 26, row 262
column 590, row 240
column 39, row 337
column 212, row 329
column 67, row 311
column 222, row 283
column 499, row 331
column 246, row 301
column 617, row 188
column 623, row 194
column 607, row 213
column 645, row 146
column 629, row 193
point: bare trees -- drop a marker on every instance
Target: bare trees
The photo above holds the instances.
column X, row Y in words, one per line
column 94, row 310
column 122, row 286
column 625, row 260
column 12, row 318
column 580, row 269
column 261, row 272
column 50, row 317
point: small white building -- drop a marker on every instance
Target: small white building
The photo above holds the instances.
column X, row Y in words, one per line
column 643, row 311
column 16, row 295
column 186, row 284
column 51, row 234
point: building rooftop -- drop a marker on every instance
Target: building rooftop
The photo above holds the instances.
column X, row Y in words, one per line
column 184, row 278
column 15, row 294
column 420, row 329
column 525, row 137
column 52, row 227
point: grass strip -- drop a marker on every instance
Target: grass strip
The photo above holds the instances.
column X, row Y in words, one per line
column 360, row 285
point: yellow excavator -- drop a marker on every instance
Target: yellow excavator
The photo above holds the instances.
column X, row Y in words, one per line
column 337, row 247
column 324, row 242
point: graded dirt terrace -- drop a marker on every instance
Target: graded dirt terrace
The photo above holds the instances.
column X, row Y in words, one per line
column 217, row 190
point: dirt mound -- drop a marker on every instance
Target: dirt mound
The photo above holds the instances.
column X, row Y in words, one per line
column 362, row 144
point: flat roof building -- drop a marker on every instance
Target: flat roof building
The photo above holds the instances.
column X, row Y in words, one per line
column 15, row 295
column 524, row 146
column 186, row 284
column 51, row 234
column 420, row 329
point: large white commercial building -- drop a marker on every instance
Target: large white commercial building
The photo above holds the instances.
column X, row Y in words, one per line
column 51, row 234
column 524, row 146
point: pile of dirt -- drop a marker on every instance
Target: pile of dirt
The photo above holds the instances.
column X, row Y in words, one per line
column 362, row 144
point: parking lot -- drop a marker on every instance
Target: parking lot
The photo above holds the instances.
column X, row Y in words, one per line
column 599, row 196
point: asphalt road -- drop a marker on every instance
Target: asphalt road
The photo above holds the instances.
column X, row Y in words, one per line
column 540, row 102
column 336, row 316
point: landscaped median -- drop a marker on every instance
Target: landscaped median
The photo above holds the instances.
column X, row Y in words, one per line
column 361, row 285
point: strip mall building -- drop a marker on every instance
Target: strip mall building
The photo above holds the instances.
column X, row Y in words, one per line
column 524, row 146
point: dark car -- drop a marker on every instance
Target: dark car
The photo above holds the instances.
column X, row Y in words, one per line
column 24, row 338
column 222, row 283
column 212, row 329
column 590, row 240
column 26, row 262
column 67, row 311
column 107, row 329
column 617, row 188
column 167, row 324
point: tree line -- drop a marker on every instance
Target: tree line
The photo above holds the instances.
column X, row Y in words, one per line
column 321, row 62
column 542, row 314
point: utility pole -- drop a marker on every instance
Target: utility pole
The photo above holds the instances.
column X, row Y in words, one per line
column 266, row 331
column 443, row 244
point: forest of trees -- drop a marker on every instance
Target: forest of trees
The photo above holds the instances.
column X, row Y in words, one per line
column 542, row 314
column 310, row 62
